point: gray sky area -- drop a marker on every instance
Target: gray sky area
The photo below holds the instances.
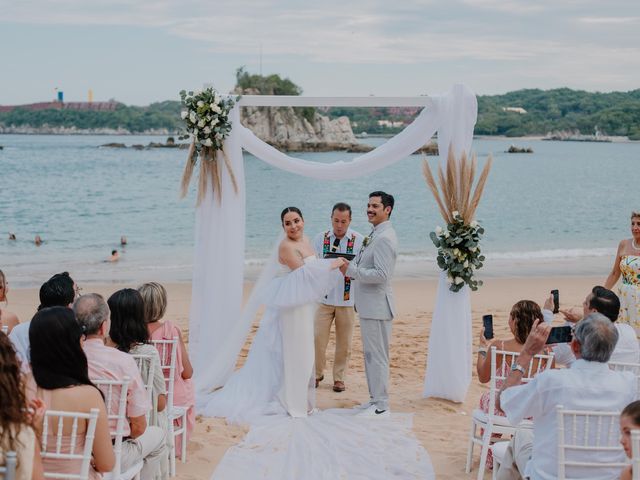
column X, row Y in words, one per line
column 141, row 51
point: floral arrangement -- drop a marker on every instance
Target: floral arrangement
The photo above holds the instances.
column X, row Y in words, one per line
column 459, row 243
column 207, row 122
column 459, row 252
column 206, row 116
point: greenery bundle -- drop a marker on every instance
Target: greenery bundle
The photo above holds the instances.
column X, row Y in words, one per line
column 458, row 243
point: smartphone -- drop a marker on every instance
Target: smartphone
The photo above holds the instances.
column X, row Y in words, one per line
column 560, row 335
column 556, row 300
column 487, row 323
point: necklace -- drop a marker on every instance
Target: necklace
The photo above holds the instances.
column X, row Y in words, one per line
column 633, row 244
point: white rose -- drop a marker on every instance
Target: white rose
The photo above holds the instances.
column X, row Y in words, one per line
column 184, row 114
column 458, row 280
column 216, row 99
column 200, row 103
column 474, row 224
column 207, row 130
column 196, row 132
column 201, row 123
column 473, row 249
column 214, row 122
column 216, row 109
column 455, row 214
column 192, row 117
column 456, row 252
column 208, row 142
column 438, row 231
column 446, row 234
column 218, row 136
column 197, row 92
column 465, row 264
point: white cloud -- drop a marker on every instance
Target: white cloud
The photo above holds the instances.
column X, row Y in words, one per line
column 609, row 20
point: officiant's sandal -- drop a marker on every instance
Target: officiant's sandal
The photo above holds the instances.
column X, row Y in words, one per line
column 318, row 380
column 338, row 386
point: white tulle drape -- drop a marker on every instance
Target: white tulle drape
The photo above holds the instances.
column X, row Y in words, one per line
column 217, row 327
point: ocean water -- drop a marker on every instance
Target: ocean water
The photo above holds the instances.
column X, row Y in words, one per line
column 565, row 207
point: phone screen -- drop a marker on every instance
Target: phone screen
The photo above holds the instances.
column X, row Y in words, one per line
column 560, row 335
column 487, row 323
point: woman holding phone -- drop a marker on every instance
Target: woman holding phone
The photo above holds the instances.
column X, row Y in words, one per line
column 521, row 319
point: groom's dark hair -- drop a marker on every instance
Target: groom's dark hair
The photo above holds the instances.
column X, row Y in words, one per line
column 342, row 207
column 387, row 200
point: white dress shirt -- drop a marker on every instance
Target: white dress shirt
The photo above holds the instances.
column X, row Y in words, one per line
column 19, row 337
column 336, row 296
column 584, row 386
column 627, row 349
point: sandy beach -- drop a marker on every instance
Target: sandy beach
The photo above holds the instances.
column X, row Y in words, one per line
column 441, row 426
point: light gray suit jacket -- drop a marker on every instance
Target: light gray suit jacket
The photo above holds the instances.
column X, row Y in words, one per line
column 372, row 271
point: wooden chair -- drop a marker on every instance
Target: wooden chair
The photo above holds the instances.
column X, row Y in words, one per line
column 117, row 413
column 168, row 357
column 8, row 470
column 496, row 424
column 60, row 449
column 589, row 440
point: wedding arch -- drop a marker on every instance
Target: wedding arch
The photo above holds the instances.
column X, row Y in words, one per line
column 216, row 332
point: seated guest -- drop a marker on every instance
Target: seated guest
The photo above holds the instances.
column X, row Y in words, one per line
column 7, row 319
column 144, row 442
column 59, row 368
column 521, row 319
column 16, row 431
column 58, row 291
column 629, row 420
column 129, row 334
column 154, row 296
column 588, row 384
column 607, row 303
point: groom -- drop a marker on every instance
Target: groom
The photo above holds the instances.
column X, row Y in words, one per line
column 372, row 270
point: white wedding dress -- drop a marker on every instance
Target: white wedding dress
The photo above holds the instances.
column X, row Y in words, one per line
column 274, row 392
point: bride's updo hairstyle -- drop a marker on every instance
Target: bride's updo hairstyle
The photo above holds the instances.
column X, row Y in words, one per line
column 289, row 210
column 524, row 313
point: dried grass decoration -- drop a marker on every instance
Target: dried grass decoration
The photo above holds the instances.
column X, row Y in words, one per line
column 206, row 117
column 459, row 242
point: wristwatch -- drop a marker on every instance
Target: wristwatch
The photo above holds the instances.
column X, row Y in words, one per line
column 518, row 368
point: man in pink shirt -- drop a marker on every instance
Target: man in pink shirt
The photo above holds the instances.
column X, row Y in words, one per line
column 144, row 442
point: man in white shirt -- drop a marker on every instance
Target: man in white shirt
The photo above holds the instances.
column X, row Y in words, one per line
column 338, row 304
column 607, row 303
column 588, row 385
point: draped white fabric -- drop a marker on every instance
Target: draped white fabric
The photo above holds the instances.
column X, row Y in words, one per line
column 217, row 327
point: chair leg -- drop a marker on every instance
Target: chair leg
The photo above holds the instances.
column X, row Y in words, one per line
column 484, row 452
column 472, row 436
column 172, row 459
column 183, row 457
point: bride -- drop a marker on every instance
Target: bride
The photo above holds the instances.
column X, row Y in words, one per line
column 277, row 377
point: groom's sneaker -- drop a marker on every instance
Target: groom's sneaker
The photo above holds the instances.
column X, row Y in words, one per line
column 373, row 411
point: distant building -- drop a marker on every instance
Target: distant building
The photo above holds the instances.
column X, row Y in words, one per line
column 93, row 106
column 514, row 109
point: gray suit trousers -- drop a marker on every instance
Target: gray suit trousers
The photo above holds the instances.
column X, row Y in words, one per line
column 375, row 342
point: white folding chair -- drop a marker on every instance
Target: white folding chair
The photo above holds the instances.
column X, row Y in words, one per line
column 496, row 424
column 168, row 355
column 115, row 398
column 146, row 367
column 628, row 367
column 635, row 454
column 587, row 441
column 8, row 470
column 60, row 450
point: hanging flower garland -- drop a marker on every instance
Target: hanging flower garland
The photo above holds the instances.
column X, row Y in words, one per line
column 207, row 123
column 458, row 243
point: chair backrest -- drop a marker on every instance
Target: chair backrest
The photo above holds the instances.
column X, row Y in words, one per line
column 168, row 351
column 499, row 373
column 5, row 329
column 64, row 447
column 588, row 441
column 628, row 367
column 115, row 398
column 146, row 367
column 635, row 454
column 8, row 470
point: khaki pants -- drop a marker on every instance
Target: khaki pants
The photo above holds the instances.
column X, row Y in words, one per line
column 344, row 318
column 517, row 455
column 150, row 447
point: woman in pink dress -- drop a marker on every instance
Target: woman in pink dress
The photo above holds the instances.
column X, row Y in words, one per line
column 155, row 306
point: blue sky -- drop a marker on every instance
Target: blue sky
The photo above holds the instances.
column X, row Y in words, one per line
column 147, row 50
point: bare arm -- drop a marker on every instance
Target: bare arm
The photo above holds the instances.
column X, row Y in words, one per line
column 483, row 365
column 138, row 425
column 103, row 456
column 37, row 472
column 290, row 256
column 187, row 368
column 615, row 273
column 162, row 402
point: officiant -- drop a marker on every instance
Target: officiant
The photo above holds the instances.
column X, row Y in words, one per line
column 338, row 306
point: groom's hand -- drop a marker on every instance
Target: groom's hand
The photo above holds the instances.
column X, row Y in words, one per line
column 344, row 266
